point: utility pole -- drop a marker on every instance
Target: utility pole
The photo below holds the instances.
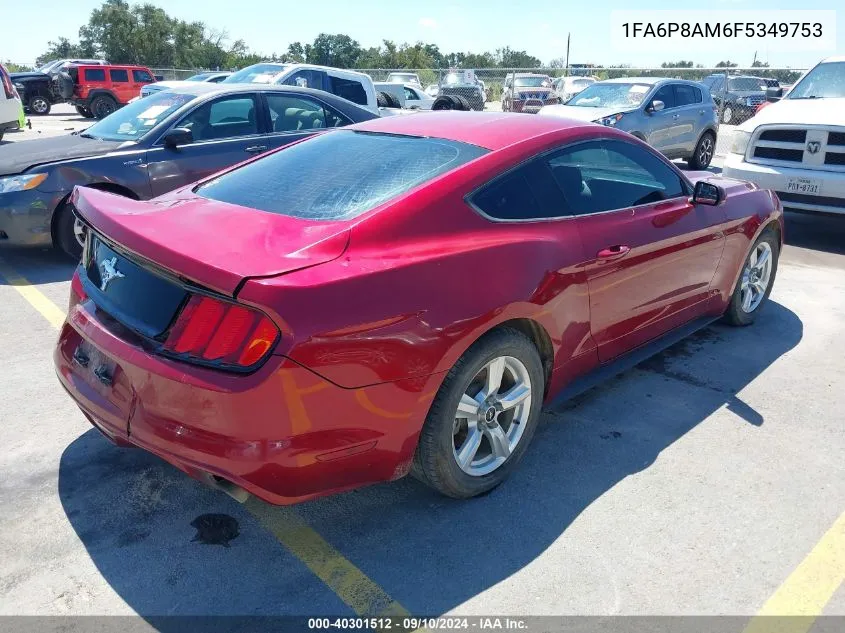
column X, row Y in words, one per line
column 568, row 35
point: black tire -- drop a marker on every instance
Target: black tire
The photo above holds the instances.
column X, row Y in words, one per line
column 443, row 102
column 735, row 314
column 65, row 238
column 387, row 100
column 703, row 153
column 84, row 112
column 63, row 85
column 434, row 462
column 102, row 106
column 462, row 103
column 39, row 104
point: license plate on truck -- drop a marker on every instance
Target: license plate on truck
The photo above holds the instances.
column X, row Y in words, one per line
column 804, row 185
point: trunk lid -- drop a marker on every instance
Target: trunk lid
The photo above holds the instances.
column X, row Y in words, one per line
column 213, row 244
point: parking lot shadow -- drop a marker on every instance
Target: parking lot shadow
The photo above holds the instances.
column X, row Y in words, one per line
column 816, row 232
column 133, row 513
column 38, row 265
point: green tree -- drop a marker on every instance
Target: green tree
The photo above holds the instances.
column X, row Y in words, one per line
column 296, row 53
column 338, row 50
column 727, row 64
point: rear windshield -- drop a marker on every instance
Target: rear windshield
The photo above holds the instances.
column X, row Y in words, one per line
column 338, row 175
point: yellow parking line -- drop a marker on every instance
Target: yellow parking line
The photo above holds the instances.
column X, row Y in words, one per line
column 35, row 297
column 802, row 597
column 350, row 584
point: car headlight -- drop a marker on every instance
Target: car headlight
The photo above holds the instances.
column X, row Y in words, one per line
column 611, row 120
column 21, row 183
column 740, row 143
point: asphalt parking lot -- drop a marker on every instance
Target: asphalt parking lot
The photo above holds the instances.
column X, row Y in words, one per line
column 707, row 481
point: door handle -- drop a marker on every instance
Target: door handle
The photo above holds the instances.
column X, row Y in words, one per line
column 613, row 252
column 254, row 149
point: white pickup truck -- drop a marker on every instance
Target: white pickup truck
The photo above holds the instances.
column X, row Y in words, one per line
column 796, row 146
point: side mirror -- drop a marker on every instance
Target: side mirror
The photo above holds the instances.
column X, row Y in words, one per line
column 707, row 193
column 774, row 93
column 178, row 136
column 655, row 106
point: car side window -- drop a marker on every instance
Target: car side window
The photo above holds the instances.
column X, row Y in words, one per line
column 349, row 89
column 306, row 79
column 222, row 118
column 528, row 192
column 120, row 75
column 142, row 77
column 686, row 95
column 95, row 74
column 605, row 175
column 289, row 113
column 410, row 94
column 666, row 95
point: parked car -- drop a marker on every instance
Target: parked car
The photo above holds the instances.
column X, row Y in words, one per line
column 349, row 84
column 97, row 91
column 223, row 326
column 409, row 96
column 463, row 83
column 404, row 78
column 10, row 104
column 433, row 90
column 36, row 87
column 568, row 87
column 214, row 77
column 151, row 146
column 527, row 92
column 676, row 117
column 739, row 96
column 796, row 146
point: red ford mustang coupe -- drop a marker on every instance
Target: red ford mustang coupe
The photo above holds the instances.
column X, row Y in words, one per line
column 400, row 296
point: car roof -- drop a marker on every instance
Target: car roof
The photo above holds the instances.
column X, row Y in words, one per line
column 834, row 58
column 491, row 130
column 202, row 89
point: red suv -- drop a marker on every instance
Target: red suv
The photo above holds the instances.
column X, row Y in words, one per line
column 100, row 90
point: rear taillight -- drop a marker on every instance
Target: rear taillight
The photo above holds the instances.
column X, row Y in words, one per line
column 77, row 292
column 215, row 332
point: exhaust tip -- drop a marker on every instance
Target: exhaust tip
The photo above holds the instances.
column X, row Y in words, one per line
column 224, row 485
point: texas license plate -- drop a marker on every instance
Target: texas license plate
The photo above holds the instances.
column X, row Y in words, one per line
column 804, row 185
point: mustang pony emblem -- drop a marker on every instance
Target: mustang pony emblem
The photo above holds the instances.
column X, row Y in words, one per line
column 109, row 272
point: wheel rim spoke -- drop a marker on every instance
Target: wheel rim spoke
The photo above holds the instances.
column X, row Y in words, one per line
column 517, row 394
column 495, row 370
column 498, row 441
column 470, row 447
column 747, row 297
column 468, row 406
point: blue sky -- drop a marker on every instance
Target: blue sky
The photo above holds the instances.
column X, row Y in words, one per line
column 538, row 26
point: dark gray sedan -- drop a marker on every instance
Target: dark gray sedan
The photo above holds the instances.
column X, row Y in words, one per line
column 152, row 146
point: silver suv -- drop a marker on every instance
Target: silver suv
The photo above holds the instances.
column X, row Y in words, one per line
column 674, row 116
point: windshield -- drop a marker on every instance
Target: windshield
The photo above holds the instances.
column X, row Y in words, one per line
column 133, row 121
column 256, row 74
column 825, row 81
column 401, row 78
column 46, row 68
column 611, row 95
column 200, row 77
column 748, row 84
column 531, row 82
column 366, row 170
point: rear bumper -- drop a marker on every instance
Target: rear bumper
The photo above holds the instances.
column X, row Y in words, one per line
column 26, row 216
column 282, row 433
column 830, row 199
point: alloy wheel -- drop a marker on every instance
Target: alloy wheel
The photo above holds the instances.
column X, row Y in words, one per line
column 491, row 416
column 39, row 105
column 727, row 115
column 756, row 277
column 705, row 151
column 79, row 232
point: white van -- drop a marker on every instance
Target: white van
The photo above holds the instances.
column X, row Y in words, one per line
column 10, row 104
column 348, row 84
